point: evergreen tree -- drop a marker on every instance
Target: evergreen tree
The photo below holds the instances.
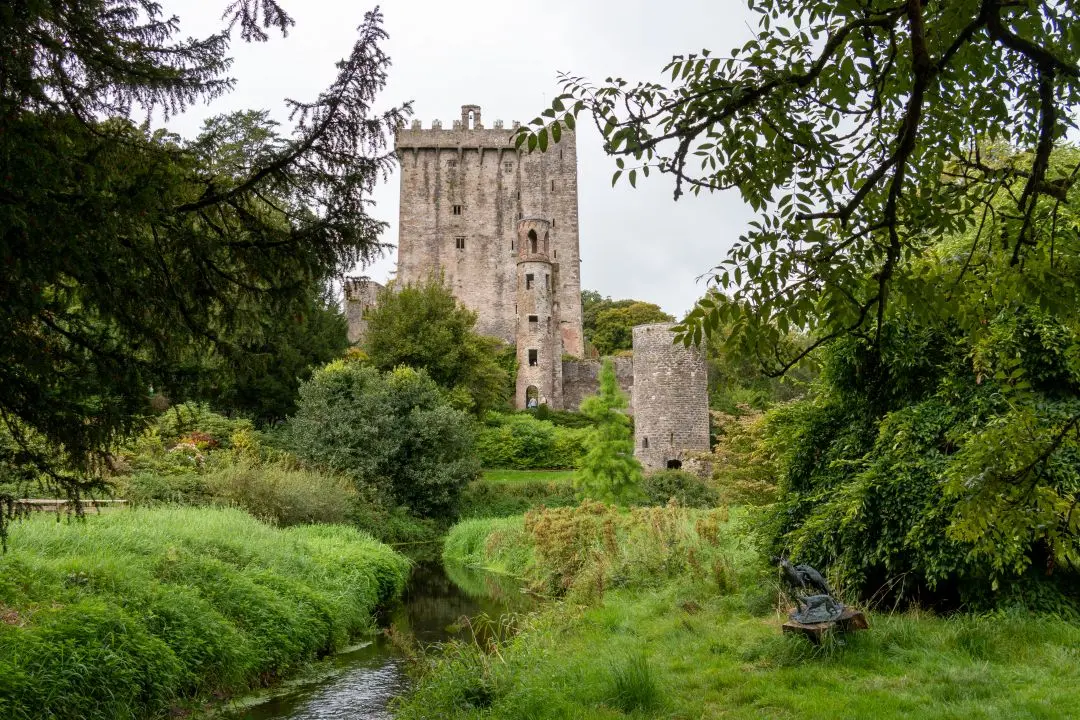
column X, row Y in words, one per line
column 125, row 258
column 609, row 471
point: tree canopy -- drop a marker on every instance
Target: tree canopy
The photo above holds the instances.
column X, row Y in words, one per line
column 608, row 324
column 863, row 133
column 129, row 256
column 425, row 327
column 916, row 204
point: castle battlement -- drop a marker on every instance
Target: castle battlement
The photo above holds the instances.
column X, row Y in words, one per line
column 466, row 133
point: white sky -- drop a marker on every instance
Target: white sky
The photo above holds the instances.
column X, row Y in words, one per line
column 504, row 57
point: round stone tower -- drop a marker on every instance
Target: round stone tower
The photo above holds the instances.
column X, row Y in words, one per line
column 671, row 399
column 539, row 354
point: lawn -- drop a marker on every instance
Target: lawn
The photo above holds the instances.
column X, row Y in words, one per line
column 670, row 613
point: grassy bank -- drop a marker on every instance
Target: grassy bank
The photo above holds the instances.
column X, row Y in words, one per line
column 133, row 613
column 501, row 493
column 669, row 614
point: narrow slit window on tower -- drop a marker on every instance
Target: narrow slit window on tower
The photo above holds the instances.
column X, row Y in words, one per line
column 511, row 244
column 554, row 253
column 644, row 443
column 528, row 281
column 533, row 358
column 457, row 209
column 533, row 319
column 552, row 186
column 459, row 243
column 552, row 223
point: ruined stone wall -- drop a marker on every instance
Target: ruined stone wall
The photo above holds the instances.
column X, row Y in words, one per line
column 360, row 294
column 671, row 398
column 581, row 378
column 463, row 191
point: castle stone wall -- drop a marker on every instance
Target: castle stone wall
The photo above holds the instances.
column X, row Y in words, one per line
column 360, row 294
column 463, row 192
column 671, row 403
column 581, row 378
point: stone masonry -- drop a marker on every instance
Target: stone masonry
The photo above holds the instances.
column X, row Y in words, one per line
column 360, row 294
column 463, row 192
column 500, row 227
column 469, row 199
column 671, row 401
column 581, row 378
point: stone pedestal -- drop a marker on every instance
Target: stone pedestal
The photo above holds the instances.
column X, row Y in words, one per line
column 849, row 621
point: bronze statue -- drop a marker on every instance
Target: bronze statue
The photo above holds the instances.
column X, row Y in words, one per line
column 809, row 609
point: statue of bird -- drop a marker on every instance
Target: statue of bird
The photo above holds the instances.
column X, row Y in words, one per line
column 801, row 577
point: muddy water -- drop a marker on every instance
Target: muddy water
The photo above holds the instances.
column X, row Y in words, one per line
column 359, row 684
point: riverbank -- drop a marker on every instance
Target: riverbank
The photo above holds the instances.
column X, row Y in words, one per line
column 669, row 613
column 143, row 612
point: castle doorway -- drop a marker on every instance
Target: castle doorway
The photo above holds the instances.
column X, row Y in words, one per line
column 674, row 464
column 532, row 396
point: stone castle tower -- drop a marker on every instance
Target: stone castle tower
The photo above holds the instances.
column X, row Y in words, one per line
column 501, row 227
column 671, row 399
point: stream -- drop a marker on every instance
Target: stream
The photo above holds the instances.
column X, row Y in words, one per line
column 359, row 683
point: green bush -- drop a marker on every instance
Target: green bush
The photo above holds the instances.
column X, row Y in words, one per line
column 393, row 431
column 126, row 614
column 283, row 494
column 522, row 441
column 685, row 488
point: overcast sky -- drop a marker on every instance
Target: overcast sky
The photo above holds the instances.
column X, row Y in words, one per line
column 504, row 57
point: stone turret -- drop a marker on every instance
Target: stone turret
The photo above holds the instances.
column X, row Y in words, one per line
column 539, row 346
column 671, row 399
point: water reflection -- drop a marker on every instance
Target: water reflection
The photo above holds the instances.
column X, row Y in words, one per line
column 358, row 685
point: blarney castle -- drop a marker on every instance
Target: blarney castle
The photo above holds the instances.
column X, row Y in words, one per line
column 501, row 227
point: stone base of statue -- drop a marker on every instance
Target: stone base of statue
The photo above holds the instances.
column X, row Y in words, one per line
column 850, row 620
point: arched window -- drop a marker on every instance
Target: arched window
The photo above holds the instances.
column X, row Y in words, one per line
column 532, row 241
column 472, row 120
column 532, row 396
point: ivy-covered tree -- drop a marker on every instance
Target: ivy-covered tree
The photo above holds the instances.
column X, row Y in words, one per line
column 125, row 259
column 609, row 471
column 424, row 326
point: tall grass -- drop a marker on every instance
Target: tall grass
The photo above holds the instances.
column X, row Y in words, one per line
column 590, row 547
column 128, row 614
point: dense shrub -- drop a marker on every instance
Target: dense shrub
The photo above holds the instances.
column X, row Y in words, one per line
column 128, row 613
column 524, row 442
column 282, row 493
column 393, row 431
column 908, row 471
column 744, row 457
column 683, row 487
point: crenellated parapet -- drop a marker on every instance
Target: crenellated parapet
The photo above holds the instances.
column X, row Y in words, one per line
column 467, row 131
